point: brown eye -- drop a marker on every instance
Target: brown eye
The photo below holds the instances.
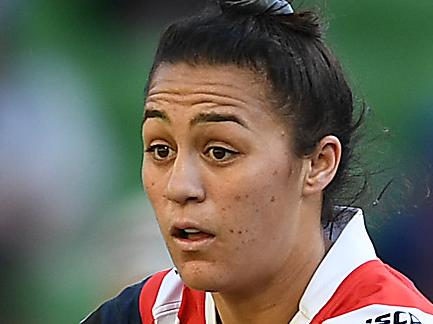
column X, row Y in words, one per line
column 160, row 152
column 220, row 154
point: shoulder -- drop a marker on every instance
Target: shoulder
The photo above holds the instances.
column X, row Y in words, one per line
column 125, row 308
column 376, row 293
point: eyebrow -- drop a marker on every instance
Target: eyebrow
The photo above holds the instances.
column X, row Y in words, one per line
column 154, row 113
column 216, row 117
column 199, row 119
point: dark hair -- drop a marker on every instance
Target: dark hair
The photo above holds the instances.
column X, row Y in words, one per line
column 307, row 84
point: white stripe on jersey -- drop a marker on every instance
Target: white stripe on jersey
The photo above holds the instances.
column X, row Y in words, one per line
column 210, row 309
column 351, row 249
column 299, row 318
column 169, row 299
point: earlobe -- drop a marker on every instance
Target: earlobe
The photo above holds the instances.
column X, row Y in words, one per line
column 324, row 163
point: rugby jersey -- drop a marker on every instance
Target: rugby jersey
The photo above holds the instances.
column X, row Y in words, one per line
column 351, row 285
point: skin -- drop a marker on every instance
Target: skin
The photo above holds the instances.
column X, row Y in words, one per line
column 236, row 177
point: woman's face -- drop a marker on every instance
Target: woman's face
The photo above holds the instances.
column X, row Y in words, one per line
column 221, row 176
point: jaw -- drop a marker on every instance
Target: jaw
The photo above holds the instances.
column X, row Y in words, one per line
column 202, row 275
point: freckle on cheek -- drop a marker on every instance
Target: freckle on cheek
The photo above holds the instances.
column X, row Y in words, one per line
column 152, row 184
column 239, row 232
column 232, row 231
column 223, row 209
column 272, row 199
column 275, row 173
column 247, row 196
column 237, row 198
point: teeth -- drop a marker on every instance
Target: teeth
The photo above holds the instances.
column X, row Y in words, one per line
column 191, row 230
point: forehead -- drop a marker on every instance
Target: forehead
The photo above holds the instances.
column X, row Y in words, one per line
column 203, row 86
column 190, row 83
column 179, row 76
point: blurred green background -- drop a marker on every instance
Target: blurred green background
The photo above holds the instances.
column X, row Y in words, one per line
column 75, row 225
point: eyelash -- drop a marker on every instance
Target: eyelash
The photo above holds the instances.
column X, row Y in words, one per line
column 152, row 149
column 232, row 154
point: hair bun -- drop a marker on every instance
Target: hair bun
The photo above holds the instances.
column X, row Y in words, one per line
column 259, row 7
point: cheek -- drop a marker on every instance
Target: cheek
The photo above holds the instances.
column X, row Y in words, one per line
column 153, row 180
column 147, row 175
column 255, row 232
column 239, row 209
column 257, row 206
column 257, row 189
column 154, row 186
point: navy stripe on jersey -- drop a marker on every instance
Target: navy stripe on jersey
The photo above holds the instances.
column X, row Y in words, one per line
column 121, row 309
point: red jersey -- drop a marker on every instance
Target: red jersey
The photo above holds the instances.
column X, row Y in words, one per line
column 351, row 285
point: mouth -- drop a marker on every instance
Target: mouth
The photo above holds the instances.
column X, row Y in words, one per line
column 191, row 237
column 191, row 234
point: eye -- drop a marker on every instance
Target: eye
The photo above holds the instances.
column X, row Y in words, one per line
column 220, row 154
column 160, row 152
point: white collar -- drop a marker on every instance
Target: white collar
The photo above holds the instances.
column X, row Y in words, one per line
column 352, row 248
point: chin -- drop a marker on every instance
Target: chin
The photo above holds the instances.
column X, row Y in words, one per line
column 200, row 275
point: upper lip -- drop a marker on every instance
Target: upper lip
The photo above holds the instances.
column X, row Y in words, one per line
column 178, row 226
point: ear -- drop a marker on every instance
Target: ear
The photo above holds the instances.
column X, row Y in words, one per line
column 322, row 165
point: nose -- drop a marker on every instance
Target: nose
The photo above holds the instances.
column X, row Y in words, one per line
column 185, row 183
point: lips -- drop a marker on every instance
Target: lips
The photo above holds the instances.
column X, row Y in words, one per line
column 191, row 236
column 190, row 231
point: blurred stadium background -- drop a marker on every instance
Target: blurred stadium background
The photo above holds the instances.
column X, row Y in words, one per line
column 75, row 226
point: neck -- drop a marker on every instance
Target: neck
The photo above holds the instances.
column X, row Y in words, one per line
column 276, row 301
